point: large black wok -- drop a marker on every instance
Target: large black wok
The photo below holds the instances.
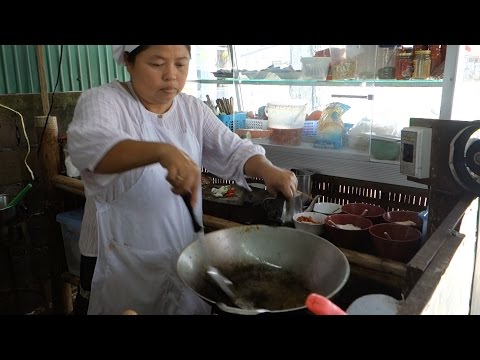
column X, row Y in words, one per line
column 274, row 268
column 7, row 214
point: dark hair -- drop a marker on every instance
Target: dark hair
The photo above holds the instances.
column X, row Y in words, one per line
column 133, row 54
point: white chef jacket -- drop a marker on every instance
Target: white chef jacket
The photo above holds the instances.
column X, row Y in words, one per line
column 108, row 114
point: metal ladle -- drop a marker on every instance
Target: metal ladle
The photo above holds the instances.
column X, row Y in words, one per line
column 19, row 196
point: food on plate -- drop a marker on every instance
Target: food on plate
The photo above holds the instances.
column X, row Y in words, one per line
column 223, row 191
column 348, row 227
column 406, row 222
column 307, row 219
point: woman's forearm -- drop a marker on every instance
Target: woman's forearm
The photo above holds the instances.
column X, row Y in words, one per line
column 276, row 179
column 130, row 154
column 256, row 166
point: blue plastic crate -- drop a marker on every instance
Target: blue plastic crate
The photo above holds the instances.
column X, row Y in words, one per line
column 310, row 128
column 70, row 223
column 234, row 121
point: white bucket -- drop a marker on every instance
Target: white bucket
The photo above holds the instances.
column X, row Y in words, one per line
column 287, row 115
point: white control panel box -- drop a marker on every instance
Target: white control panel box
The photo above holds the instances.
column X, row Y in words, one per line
column 415, row 150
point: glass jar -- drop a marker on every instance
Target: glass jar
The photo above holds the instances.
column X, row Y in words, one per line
column 403, row 66
column 422, row 64
column 386, row 61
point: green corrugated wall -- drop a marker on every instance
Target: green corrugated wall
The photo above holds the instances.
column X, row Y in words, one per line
column 82, row 67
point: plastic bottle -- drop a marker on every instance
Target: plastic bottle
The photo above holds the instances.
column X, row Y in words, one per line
column 424, row 216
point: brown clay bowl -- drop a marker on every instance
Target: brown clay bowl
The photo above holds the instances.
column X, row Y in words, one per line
column 401, row 243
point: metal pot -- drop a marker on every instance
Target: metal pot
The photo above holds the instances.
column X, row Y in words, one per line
column 275, row 268
column 7, row 214
column 304, row 178
column 280, row 211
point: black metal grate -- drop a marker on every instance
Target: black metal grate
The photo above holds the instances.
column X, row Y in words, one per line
column 390, row 197
column 343, row 191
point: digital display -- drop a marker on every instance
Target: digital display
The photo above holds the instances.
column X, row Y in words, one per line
column 407, row 153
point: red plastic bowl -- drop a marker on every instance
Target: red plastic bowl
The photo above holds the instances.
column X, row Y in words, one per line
column 374, row 212
column 404, row 243
column 349, row 239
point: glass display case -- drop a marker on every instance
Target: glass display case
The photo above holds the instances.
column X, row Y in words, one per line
column 375, row 89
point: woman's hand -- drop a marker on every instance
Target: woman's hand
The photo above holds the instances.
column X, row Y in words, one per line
column 183, row 173
column 280, row 180
column 276, row 179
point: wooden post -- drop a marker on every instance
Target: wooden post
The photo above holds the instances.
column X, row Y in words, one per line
column 42, row 80
column 49, row 164
column 49, row 152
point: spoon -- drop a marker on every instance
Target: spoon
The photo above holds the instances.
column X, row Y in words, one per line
column 241, row 311
column 387, row 236
column 312, row 204
column 333, row 224
column 364, row 212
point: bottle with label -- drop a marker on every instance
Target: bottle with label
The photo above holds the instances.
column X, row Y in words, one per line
column 422, row 64
column 403, row 66
column 424, row 216
column 436, row 55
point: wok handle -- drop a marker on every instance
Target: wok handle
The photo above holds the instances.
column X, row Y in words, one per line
column 320, row 305
column 196, row 226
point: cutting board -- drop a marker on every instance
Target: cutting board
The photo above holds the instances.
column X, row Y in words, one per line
column 245, row 207
column 242, row 196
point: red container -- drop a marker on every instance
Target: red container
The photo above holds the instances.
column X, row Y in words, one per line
column 403, row 217
column 404, row 243
column 374, row 213
column 349, row 239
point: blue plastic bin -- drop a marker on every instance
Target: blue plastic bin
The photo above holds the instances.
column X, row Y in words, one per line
column 234, row 121
column 71, row 222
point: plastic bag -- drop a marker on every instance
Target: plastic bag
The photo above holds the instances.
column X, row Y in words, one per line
column 330, row 126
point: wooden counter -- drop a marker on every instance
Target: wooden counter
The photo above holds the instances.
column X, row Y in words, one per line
column 435, row 272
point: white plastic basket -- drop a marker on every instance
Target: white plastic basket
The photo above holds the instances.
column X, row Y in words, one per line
column 256, row 124
column 315, row 67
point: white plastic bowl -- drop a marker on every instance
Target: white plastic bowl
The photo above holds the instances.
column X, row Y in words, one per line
column 374, row 304
column 327, row 208
column 317, row 229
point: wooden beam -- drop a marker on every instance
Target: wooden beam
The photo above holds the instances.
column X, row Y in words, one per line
column 218, row 223
column 475, row 306
column 69, row 184
column 428, row 251
column 421, row 295
column 375, row 263
column 42, row 80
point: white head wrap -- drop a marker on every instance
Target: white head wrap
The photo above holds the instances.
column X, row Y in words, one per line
column 118, row 51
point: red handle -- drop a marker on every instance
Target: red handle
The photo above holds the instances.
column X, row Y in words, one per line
column 320, row 305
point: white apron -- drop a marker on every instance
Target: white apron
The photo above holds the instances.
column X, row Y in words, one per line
column 141, row 235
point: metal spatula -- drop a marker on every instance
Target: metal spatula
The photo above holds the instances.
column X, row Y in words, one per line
column 222, row 281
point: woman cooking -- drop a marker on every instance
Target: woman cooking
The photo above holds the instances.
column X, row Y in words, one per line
column 140, row 145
